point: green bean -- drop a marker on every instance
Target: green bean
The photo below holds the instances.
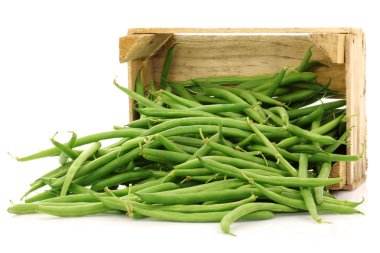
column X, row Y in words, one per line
column 139, row 87
column 172, row 113
column 63, row 156
column 241, row 155
column 258, row 114
column 188, row 149
column 77, row 163
column 250, row 177
column 108, row 168
column 282, row 113
column 299, row 204
column 325, row 157
column 315, row 64
column 296, row 96
column 250, row 84
column 142, row 123
column 305, row 148
column 132, row 132
column 189, row 141
column 231, row 79
column 168, row 156
column 219, row 108
column 245, row 209
column 283, row 162
column 181, row 90
column 320, row 130
column 275, row 83
column 140, row 99
column 240, row 163
column 307, row 119
column 299, row 77
column 121, row 178
column 276, row 119
column 304, row 64
column 225, row 122
column 73, row 210
column 334, row 146
column 88, row 167
column 209, row 100
column 323, row 173
column 223, row 184
column 42, row 196
column 308, row 135
column 166, row 67
column 306, row 192
column 225, row 94
column 194, row 217
column 160, row 188
column 307, row 110
column 205, row 149
column 266, row 99
column 184, row 130
column 196, row 197
column 180, row 100
column 170, row 146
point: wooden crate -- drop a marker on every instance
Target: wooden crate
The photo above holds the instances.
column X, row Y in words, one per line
column 248, row 51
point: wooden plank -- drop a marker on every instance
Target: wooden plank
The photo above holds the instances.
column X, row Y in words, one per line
column 207, row 56
column 142, row 46
column 342, row 30
column 338, row 171
column 331, row 44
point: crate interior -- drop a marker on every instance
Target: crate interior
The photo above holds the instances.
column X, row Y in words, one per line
column 208, row 55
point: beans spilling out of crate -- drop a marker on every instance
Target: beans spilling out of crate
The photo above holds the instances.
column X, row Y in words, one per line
column 217, row 149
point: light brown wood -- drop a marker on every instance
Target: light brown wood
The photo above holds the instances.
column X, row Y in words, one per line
column 142, row 46
column 208, row 56
column 338, row 170
column 246, row 52
column 342, row 30
column 331, row 44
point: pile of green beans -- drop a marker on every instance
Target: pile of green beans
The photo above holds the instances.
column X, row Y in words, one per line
column 216, row 149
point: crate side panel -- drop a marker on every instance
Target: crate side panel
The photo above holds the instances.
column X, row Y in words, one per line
column 208, row 56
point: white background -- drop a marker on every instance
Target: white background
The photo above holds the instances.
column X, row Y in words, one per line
column 57, row 63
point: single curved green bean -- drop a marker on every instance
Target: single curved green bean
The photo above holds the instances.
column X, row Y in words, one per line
column 323, row 173
column 219, row 108
column 304, row 64
column 306, row 192
column 166, row 66
column 309, row 135
column 181, row 91
column 245, row 209
column 172, row 113
column 195, row 197
column 231, row 79
column 73, row 210
column 77, row 163
column 209, row 100
column 139, row 87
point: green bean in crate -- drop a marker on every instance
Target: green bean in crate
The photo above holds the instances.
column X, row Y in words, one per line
column 206, row 150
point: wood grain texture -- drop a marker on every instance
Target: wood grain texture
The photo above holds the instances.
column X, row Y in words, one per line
column 342, row 30
column 142, row 46
column 338, row 170
column 208, row 56
column 331, row 44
